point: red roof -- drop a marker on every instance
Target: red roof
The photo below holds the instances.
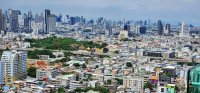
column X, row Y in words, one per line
column 41, row 64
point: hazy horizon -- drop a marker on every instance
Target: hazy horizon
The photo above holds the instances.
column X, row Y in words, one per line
column 166, row 10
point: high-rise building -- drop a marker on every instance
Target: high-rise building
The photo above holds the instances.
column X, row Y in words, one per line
column 59, row 18
column 29, row 19
column 193, row 82
column 21, row 21
column 160, row 27
column 13, row 19
column 167, row 29
column 1, row 72
column 26, row 22
column 2, row 21
column 15, row 66
column 41, row 18
column 72, row 20
column 47, row 13
column 36, row 18
column 109, row 27
column 51, row 23
column 142, row 30
column 184, row 30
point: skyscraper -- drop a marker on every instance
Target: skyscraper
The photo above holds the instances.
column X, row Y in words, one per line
column 36, row 18
column 72, row 20
column 41, row 18
column 26, row 22
column 21, row 21
column 167, row 29
column 142, row 30
column 15, row 67
column 47, row 13
column 184, row 30
column 13, row 19
column 2, row 21
column 29, row 20
column 51, row 23
column 109, row 27
column 160, row 27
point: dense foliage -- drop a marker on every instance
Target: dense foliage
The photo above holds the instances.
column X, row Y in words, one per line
column 100, row 89
column 63, row 43
column 59, row 90
column 129, row 64
column 148, row 85
column 34, row 54
column 31, row 72
column 1, row 51
column 109, row 81
column 119, row 81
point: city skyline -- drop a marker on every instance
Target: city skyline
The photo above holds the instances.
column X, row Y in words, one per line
column 169, row 11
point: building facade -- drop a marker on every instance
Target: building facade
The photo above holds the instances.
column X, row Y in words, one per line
column 194, row 80
column 15, row 67
column 51, row 23
column 160, row 27
column 1, row 72
column 2, row 21
column 135, row 83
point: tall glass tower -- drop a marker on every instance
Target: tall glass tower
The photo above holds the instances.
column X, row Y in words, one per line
column 160, row 27
column 47, row 13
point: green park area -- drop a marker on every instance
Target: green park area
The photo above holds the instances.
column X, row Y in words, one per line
column 63, row 44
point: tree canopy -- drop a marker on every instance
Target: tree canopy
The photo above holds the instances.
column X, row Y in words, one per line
column 129, row 64
column 34, row 54
column 31, row 72
column 63, row 43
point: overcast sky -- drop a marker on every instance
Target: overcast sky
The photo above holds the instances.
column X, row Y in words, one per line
column 167, row 10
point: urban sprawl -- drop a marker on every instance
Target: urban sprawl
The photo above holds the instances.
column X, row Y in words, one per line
column 48, row 53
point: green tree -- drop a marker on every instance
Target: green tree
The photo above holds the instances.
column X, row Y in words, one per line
column 61, row 90
column 53, row 91
column 97, row 66
column 119, row 81
column 79, row 90
column 129, row 64
column 69, row 44
column 68, row 54
column 116, row 52
column 101, row 89
column 148, row 85
column 34, row 54
column 31, row 72
column 109, row 81
column 76, row 64
column 84, row 66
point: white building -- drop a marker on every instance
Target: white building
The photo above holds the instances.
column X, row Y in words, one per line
column 15, row 66
column 75, row 84
column 135, row 83
column 184, row 30
column 123, row 35
column 49, row 73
